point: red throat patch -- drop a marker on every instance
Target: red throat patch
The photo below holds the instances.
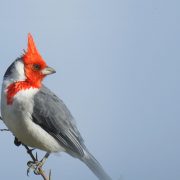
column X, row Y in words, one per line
column 14, row 88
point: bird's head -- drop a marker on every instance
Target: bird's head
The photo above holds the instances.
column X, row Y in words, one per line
column 26, row 72
column 35, row 68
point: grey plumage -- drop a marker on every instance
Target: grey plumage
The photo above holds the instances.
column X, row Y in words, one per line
column 9, row 70
column 54, row 117
column 95, row 166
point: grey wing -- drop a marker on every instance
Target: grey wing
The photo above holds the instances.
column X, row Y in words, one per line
column 53, row 116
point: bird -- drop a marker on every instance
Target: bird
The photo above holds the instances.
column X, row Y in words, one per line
column 36, row 116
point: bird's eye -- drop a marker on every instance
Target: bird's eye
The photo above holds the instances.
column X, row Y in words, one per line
column 36, row 67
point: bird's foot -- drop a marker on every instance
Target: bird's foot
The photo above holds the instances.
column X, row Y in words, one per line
column 35, row 166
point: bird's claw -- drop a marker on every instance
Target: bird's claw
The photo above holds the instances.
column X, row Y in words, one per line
column 31, row 166
column 34, row 166
column 37, row 169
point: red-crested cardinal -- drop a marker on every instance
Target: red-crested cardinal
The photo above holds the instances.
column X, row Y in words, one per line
column 36, row 116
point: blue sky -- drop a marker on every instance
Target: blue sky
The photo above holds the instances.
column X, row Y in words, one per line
column 118, row 69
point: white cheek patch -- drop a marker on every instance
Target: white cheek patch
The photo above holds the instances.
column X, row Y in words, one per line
column 19, row 66
column 17, row 74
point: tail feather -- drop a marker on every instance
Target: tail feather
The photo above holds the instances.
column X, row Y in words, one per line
column 95, row 167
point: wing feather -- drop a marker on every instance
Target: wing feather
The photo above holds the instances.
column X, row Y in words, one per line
column 54, row 117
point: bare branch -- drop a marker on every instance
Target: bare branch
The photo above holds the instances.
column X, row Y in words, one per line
column 4, row 129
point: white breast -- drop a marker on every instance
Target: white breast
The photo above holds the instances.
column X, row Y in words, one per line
column 18, row 119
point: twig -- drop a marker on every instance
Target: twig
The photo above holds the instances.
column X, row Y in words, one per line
column 40, row 170
column 4, row 129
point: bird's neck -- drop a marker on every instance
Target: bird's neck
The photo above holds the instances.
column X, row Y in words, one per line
column 18, row 86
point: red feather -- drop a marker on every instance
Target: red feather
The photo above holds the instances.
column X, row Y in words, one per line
column 14, row 88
